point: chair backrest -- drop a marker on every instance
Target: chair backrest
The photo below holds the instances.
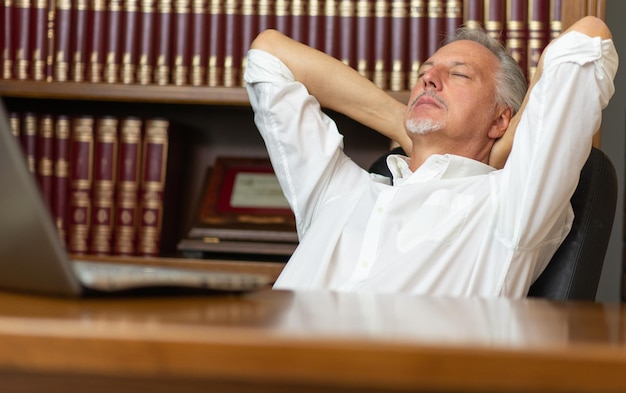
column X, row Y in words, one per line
column 574, row 271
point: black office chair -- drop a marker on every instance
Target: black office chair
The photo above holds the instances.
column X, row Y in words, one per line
column 574, row 271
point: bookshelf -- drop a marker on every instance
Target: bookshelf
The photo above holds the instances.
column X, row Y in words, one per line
column 209, row 119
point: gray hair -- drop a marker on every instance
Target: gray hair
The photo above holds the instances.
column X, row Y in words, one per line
column 511, row 83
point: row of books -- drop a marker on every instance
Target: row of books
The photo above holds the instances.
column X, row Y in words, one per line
column 203, row 42
column 101, row 178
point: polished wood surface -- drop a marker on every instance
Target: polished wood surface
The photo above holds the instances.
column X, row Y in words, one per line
column 309, row 341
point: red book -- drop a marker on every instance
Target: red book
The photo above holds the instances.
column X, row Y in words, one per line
column 418, row 41
column 282, row 16
column 347, row 30
column 474, row 13
column 249, row 30
column 104, row 180
column 127, row 190
column 381, row 44
column 232, row 43
column 15, row 121
column 331, row 28
column 95, row 65
column 556, row 24
column 80, row 184
column 50, row 50
column 152, row 184
column 436, row 26
column 399, row 38
column 365, row 38
column 266, row 15
column 495, row 18
column 145, row 50
column 45, row 157
column 60, row 186
column 516, row 32
column 216, row 43
column 6, row 39
column 62, row 24
column 454, row 16
column 21, row 58
column 163, row 42
column 78, row 42
column 112, row 61
column 298, row 21
column 180, row 41
column 538, row 32
column 39, row 44
column 197, row 73
column 315, row 25
column 130, row 16
column 28, row 139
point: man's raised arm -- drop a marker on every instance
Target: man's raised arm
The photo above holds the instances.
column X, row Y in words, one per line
column 337, row 86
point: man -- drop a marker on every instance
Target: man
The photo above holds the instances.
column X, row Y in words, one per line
column 450, row 224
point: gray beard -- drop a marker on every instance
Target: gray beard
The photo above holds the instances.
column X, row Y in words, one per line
column 422, row 127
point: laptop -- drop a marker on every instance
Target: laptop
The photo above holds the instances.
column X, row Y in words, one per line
column 34, row 259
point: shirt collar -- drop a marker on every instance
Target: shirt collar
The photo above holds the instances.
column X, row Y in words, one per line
column 437, row 166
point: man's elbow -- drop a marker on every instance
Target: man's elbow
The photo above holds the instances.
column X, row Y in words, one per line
column 592, row 26
column 266, row 40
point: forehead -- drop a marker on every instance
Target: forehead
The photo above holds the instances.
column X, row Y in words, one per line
column 465, row 52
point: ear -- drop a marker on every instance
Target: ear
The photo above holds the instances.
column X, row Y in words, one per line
column 500, row 122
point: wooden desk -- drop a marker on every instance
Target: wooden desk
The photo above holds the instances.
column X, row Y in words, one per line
column 275, row 341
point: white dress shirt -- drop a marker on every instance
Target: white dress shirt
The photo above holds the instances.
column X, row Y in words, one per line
column 455, row 226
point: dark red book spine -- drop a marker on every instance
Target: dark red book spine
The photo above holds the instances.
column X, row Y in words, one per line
column 15, row 122
column 282, row 16
column 130, row 15
column 181, row 42
column 249, row 30
column 365, row 38
column 347, row 30
column 267, row 19
column 112, row 60
column 28, row 138
column 153, row 175
column 436, row 25
column 331, row 28
column 232, row 43
column 162, row 38
column 399, row 38
column 21, row 58
column 145, row 47
column 60, row 196
column 381, row 43
column 126, row 206
column 197, row 73
column 6, row 38
column 97, row 14
column 78, row 41
column 474, row 13
column 417, row 38
column 45, row 157
column 454, row 16
column 538, row 32
column 495, row 16
column 80, row 184
column 298, row 21
column 516, row 32
column 104, row 181
column 39, row 45
column 62, row 24
column 50, row 49
column 556, row 24
column 216, row 43
column 315, row 25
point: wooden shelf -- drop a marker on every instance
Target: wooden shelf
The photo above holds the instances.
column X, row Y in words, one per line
column 171, row 94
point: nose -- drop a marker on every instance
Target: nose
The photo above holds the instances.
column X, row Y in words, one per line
column 431, row 79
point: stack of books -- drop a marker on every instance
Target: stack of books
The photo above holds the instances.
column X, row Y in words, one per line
column 204, row 42
column 102, row 178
